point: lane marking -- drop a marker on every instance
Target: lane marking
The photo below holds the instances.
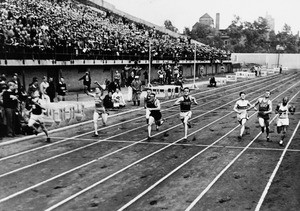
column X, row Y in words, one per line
column 229, row 165
column 138, row 161
column 265, row 192
column 183, row 164
column 29, row 188
column 103, row 128
column 252, row 81
column 91, row 144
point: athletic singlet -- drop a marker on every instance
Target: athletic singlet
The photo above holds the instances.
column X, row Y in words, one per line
column 147, row 98
column 36, row 109
column 185, row 105
column 98, row 101
column 151, row 104
column 263, row 106
column 283, row 111
column 242, row 104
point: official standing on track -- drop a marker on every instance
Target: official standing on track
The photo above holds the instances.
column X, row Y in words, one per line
column 185, row 103
column 264, row 111
column 153, row 105
column 283, row 109
column 241, row 107
column 99, row 107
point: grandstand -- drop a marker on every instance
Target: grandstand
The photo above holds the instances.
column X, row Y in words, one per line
column 62, row 33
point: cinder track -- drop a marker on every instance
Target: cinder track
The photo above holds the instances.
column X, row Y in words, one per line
column 45, row 183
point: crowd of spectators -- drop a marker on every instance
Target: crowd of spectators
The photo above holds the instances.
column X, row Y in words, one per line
column 15, row 101
column 69, row 30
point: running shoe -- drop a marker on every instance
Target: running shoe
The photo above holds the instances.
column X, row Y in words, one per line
column 95, row 135
column 48, row 140
column 281, row 143
column 239, row 138
column 268, row 139
column 189, row 125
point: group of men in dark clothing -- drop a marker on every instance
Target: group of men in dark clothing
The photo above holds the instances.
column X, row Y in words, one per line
column 16, row 102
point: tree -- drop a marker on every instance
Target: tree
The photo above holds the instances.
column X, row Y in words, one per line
column 168, row 25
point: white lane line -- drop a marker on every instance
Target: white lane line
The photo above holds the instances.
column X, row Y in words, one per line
column 264, row 194
column 78, row 167
column 91, row 144
column 252, row 81
column 188, row 145
column 121, row 170
column 95, row 160
column 183, row 164
column 229, row 165
column 138, row 161
column 67, row 139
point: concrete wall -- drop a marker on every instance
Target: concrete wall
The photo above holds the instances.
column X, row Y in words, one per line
column 291, row 61
column 72, row 73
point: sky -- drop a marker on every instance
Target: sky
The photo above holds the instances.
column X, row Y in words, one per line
column 185, row 13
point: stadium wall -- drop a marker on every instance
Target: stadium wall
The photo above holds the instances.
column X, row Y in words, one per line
column 292, row 61
column 100, row 72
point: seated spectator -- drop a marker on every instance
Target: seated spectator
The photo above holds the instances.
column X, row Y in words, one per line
column 118, row 99
column 107, row 101
column 113, row 86
column 212, row 82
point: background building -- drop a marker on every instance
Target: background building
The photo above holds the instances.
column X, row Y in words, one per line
column 206, row 20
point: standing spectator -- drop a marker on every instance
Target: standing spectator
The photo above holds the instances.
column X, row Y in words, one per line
column 61, row 89
column 146, row 77
column 33, row 86
column 175, row 72
column 136, row 90
column 168, row 74
column 51, row 91
column 117, row 77
column 43, row 89
column 160, row 74
column 2, row 111
column 10, row 104
column 129, row 81
column 17, row 81
column 86, row 81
